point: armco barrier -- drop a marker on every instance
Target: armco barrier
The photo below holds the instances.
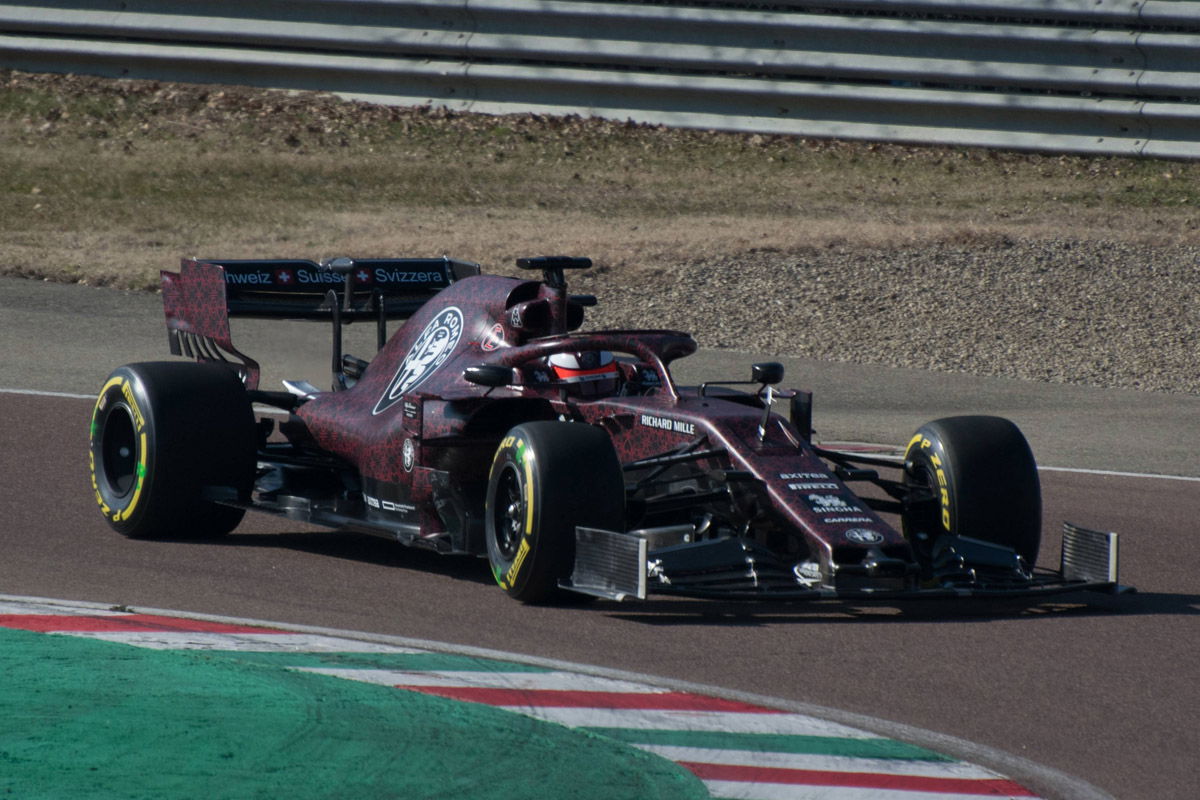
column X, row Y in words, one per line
column 1096, row 76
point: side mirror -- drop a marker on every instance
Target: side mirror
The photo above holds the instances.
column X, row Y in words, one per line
column 769, row 372
column 492, row 375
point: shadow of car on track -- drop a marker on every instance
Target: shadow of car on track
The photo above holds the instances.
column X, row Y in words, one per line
column 675, row 611
column 1079, row 604
column 366, row 549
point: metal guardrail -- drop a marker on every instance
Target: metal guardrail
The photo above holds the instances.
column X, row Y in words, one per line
column 1092, row 76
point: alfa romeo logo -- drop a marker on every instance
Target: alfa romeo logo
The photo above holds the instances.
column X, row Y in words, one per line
column 864, row 536
column 429, row 351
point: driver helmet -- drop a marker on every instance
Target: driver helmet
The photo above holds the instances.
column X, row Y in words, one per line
column 590, row 373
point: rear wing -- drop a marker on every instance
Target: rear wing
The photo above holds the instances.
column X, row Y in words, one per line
column 200, row 299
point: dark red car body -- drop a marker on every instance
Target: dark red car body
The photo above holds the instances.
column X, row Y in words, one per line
column 723, row 496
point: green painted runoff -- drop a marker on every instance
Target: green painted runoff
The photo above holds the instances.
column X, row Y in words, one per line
column 87, row 718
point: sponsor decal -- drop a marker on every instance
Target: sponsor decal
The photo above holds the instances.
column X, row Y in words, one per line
column 803, row 476
column 830, row 504
column 392, row 498
column 431, row 349
column 388, row 505
column 808, row 573
column 835, row 520
column 812, row 487
column 863, row 536
column 493, row 338
column 320, row 278
column 309, row 276
column 250, row 278
column 668, row 424
column 383, row 275
column 409, row 454
column 410, row 409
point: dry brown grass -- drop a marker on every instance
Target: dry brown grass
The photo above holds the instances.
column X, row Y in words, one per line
column 106, row 182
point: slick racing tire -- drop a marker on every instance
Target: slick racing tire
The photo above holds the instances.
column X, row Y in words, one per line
column 547, row 478
column 163, row 431
column 984, row 482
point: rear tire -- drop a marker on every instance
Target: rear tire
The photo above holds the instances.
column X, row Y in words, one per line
column 160, row 433
column 547, row 478
column 984, row 480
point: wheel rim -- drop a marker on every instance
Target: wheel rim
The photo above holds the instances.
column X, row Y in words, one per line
column 508, row 517
column 119, row 451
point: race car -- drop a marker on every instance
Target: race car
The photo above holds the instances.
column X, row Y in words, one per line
column 487, row 425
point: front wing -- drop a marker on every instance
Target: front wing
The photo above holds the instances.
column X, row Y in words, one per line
column 621, row 566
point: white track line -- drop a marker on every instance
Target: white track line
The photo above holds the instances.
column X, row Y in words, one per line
column 805, row 761
column 893, row 453
column 733, row 790
column 671, row 719
column 885, row 448
column 240, row 642
column 1115, row 474
column 39, row 393
column 477, row 679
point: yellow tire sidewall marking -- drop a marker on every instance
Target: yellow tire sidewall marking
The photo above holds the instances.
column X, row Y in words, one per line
column 519, row 454
column 525, row 462
column 940, row 474
column 125, row 388
column 523, row 458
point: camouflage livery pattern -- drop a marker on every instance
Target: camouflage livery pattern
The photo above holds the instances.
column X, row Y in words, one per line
column 452, row 427
column 726, row 493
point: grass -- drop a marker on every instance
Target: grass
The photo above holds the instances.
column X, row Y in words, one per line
column 107, row 181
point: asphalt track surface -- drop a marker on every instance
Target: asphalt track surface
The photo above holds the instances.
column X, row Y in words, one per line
column 1105, row 689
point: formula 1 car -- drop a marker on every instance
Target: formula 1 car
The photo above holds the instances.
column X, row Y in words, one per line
column 573, row 461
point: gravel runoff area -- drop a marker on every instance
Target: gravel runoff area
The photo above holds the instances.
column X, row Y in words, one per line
column 1057, row 295
column 1104, row 314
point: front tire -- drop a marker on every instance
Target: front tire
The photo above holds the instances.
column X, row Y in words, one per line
column 546, row 478
column 160, row 433
column 984, row 484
